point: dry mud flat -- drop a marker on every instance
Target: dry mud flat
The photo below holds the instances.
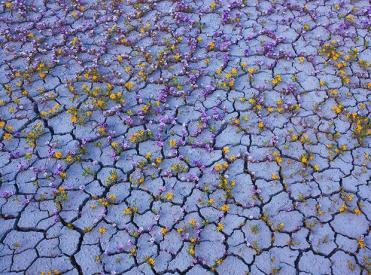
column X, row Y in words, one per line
column 184, row 137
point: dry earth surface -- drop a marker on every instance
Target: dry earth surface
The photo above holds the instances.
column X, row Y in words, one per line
column 185, row 137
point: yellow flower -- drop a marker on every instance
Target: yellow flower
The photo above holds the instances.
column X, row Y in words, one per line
column 224, row 208
column 172, row 143
column 236, row 121
column 343, row 208
column 128, row 211
column 169, row 196
column 226, row 150
column 357, row 211
column 277, row 79
column 277, row 157
column 349, row 18
column 231, row 83
column 112, row 96
column 133, row 251
column 8, row 5
column 73, row 42
column 219, row 227
column 192, row 222
column 349, row 197
column 281, row 226
column 211, row 45
column 102, row 230
column 251, row 70
column 191, row 250
column 127, row 69
column 304, row 159
column 304, row 138
column 212, row 5
column 28, row 155
column 275, row 176
column 158, row 160
column 219, row 261
column 115, row 145
column 337, row 109
column 129, row 85
column 361, row 243
column 362, row 106
column 261, row 125
column 73, row 119
column 164, row 230
column 294, row 137
column 151, row 261
column 218, row 167
column 100, row 103
column 112, row 197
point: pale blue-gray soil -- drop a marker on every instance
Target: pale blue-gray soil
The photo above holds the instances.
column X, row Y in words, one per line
column 185, row 137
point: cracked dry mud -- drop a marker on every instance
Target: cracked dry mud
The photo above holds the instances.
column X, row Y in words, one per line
column 184, row 137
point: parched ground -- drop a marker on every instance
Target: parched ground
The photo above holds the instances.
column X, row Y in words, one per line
column 185, row 137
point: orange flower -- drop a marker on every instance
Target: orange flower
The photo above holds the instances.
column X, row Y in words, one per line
column 57, row 155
